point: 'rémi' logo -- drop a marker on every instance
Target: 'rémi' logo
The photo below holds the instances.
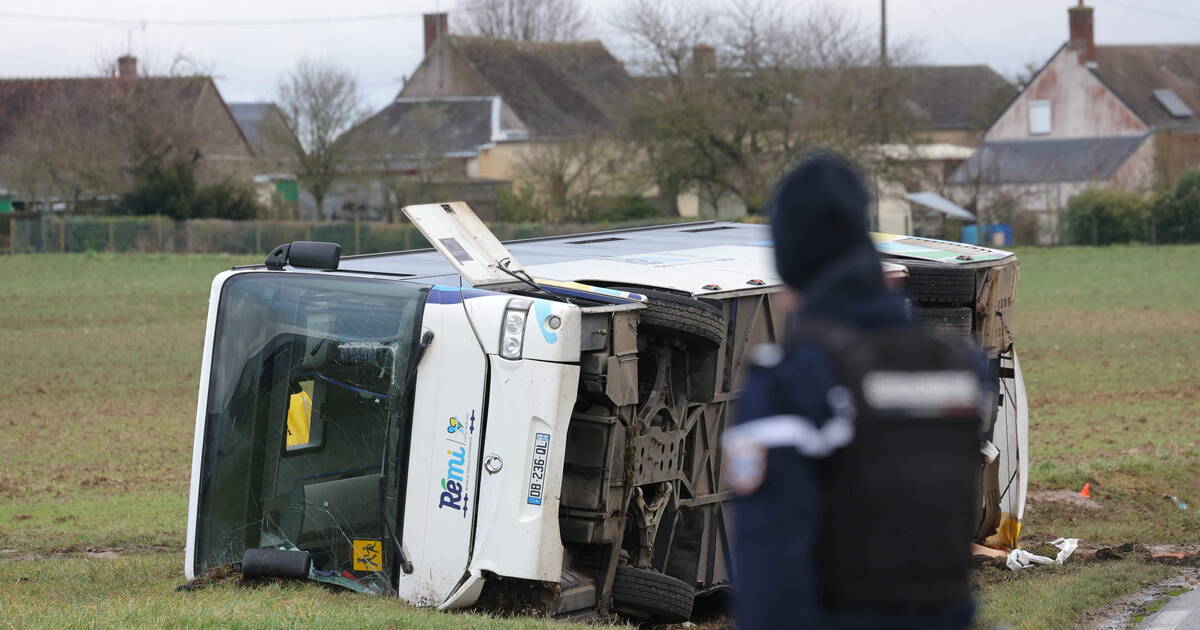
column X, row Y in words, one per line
column 452, row 483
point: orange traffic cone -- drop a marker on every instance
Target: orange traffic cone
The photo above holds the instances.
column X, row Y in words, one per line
column 1087, row 490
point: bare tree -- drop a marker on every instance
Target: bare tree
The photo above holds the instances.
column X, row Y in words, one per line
column 398, row 157
column 1024, row 75
column 319, row 101
column 665, row 34
column 742, row 90
column 570, row 177
column 526, row 20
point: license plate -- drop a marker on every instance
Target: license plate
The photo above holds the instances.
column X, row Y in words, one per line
column 537, row 472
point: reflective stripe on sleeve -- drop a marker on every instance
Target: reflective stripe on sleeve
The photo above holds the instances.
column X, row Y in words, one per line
column 795, row 431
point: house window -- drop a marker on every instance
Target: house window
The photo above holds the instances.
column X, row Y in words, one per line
column 1039, row 117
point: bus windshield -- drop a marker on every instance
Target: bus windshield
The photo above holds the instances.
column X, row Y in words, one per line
column 304, row 420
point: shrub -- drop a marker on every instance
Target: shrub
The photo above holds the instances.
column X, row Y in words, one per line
column 518, row 206
column 628, row 208
column 1104, row 217
column 170, row 189
column 1174, row 217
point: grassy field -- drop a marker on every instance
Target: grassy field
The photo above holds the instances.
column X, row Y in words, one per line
column 1109, row 340
column 135, row 591
column 100, row 361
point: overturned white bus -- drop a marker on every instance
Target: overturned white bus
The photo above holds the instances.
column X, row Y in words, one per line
column 541, row 417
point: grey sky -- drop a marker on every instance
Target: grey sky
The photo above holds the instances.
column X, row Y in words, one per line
column 247, row 60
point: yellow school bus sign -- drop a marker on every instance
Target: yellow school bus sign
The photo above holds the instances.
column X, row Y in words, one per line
column 368, row 555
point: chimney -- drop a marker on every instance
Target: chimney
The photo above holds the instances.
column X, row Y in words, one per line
column 1082, row 38
column 435, row 28
column 127, row 67
column 704, row 59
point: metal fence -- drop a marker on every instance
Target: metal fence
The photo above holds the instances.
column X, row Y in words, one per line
column 42, row 234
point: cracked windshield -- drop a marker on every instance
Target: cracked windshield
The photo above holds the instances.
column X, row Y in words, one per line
column 306, row 412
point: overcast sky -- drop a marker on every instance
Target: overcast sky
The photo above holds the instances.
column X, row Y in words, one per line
column 247, row 60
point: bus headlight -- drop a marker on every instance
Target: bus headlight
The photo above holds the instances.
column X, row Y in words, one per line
column 512, row 333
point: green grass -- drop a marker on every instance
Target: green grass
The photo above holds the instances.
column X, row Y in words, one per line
column 136, row 591
column 101, row 360
column 101, row 355
column 1054, row 597
column 1108, row 339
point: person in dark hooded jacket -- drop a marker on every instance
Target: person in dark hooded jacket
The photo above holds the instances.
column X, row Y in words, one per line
column 825, row 255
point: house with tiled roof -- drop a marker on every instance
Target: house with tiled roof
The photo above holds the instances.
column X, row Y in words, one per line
column 545, row 89
column 476, row 110
column 1094, row 116
column 69, row 142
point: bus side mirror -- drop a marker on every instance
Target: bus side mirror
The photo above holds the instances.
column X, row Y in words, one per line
column 309, row 254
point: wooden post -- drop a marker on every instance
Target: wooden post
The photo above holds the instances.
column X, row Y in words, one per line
column 357, row 240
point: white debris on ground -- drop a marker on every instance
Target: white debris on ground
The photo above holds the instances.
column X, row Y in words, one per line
column 1021, row 559
column 1018, row 559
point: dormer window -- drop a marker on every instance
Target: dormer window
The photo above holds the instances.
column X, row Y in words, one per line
column 1039, row 117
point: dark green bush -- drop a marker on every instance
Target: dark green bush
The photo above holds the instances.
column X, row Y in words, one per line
column 1104, row 217
column 170, row 189
column 1174, row 217
column 518, row 206
column 628, row 208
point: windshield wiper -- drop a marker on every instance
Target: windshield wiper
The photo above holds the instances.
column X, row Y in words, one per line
column 524, row 277
column 389, row 454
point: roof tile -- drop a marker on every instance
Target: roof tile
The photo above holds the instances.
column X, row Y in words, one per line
column 956, row 97
column 1134, row 72
column 1032, row 161
column 555, row 88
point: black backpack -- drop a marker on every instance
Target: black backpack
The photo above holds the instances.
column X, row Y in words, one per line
column 901, row 500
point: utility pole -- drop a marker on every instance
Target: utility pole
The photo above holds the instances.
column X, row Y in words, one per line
column 883, row 33
column 882, row 104
column 885, row 77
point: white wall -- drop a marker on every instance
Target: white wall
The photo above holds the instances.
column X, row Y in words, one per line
column 1081, row 106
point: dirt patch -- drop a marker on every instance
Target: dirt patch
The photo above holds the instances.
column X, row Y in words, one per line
column 1119, row 614
column 1187, row 554
column 1067, row 498
column 228, row 575
column 224, row 574
column 16, row 555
